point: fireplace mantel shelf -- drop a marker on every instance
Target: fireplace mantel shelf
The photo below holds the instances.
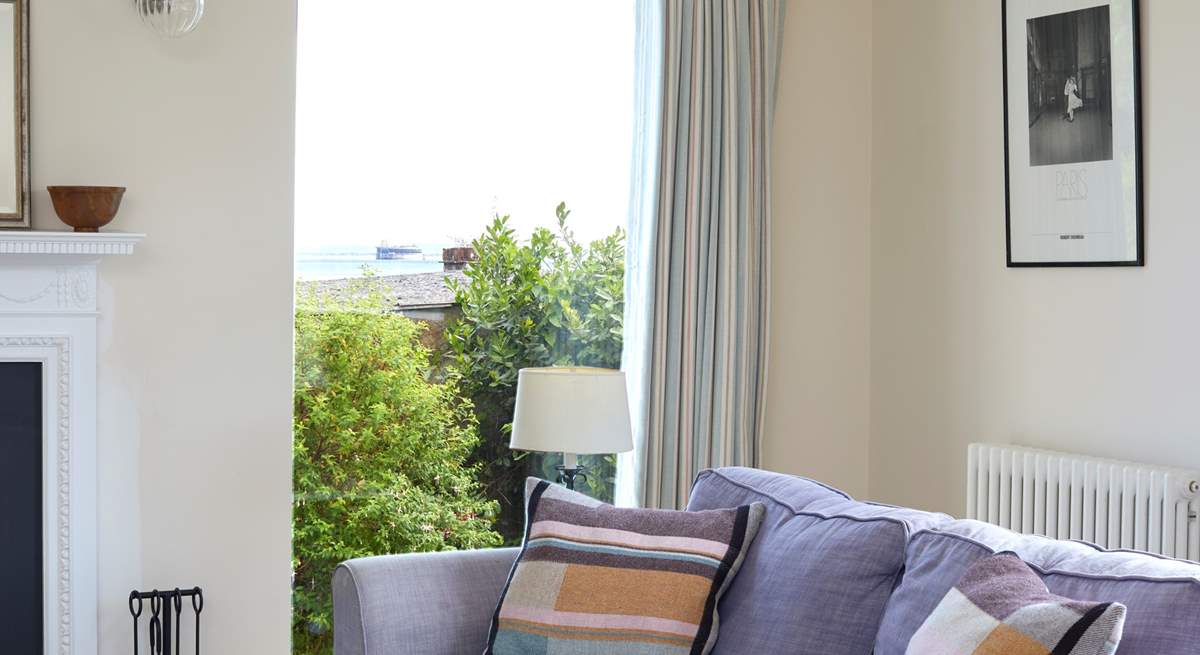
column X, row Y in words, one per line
column 68, row 243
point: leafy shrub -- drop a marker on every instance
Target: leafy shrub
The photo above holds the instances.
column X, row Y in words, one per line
column 380, row 453
column 548, row 302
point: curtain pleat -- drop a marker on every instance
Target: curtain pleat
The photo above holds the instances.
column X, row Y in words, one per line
column 698, row 269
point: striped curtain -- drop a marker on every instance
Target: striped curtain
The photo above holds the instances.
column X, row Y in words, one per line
column 698, row 265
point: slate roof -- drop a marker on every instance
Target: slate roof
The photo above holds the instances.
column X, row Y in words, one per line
column 405, row 291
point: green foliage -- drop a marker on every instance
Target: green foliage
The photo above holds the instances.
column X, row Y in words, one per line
column 380, row 452
column 548, row 302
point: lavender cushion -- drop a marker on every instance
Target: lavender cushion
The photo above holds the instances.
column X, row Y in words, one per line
column 818, row 575
column 1162, row 595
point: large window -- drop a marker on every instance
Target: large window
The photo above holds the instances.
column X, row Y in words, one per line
column 435, row 143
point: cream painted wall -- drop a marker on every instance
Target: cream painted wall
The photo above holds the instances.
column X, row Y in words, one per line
column 195, row 363
column 1100, row 361
column 817, row 424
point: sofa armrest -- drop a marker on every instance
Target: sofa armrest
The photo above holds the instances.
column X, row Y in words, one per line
column 428, row 603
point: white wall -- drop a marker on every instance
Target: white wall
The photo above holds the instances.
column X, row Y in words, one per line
column 1100, row 361
column 817, row 424
column 195, row 364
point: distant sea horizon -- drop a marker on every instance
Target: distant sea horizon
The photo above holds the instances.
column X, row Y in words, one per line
column 350, row 261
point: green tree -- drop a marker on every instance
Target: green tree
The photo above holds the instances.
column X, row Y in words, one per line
column 380, row 452
column 549, row 302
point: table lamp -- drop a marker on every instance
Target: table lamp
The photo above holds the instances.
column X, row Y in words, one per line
column 575, row 411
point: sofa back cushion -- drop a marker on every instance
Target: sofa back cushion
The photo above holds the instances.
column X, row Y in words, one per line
column 818, row 575
column 1162, row 596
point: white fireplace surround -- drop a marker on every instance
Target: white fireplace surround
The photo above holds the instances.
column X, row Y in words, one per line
column 48, row 314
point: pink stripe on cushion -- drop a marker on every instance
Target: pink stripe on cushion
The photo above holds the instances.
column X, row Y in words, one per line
column 602, row 621
column 713, row 549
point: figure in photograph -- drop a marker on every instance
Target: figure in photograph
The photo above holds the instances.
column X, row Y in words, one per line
column 1071, row 91
column 1070, row 87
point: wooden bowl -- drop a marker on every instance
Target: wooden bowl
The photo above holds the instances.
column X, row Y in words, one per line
column 86, row 208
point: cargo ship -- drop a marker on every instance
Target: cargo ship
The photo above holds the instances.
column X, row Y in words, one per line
column 384, row 251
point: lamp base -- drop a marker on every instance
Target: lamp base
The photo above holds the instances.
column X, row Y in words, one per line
column 568, row 475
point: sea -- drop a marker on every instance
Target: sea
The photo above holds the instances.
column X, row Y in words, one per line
column 341, row 262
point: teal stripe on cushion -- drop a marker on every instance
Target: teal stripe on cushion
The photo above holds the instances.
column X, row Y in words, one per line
column 627, row 552
column 558, row 646
column 597, row 634
column 509, row 642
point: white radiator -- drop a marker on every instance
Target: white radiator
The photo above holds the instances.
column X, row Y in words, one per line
column 1106, row 502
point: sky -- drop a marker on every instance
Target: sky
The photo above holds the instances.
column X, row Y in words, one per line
column 417, row 121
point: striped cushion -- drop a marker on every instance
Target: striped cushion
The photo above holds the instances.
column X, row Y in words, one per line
column 1001, row 607
column 593, row 579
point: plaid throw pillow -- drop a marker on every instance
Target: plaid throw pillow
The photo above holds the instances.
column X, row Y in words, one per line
column 1001, row 607
column 592, row 578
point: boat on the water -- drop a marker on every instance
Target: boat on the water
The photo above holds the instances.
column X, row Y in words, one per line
column 384, row 251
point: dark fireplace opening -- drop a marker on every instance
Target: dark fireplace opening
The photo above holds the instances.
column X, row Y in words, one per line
column 21, row 507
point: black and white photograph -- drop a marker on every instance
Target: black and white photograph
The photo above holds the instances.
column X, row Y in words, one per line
column 1070, row 87
column 1072, row 133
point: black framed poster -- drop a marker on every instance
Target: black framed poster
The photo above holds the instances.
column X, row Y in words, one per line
column 1072, row 123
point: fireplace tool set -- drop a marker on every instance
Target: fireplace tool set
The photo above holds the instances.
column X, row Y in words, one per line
column 165, row 613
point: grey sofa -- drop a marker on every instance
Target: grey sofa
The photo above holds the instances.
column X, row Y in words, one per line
column 826, row 575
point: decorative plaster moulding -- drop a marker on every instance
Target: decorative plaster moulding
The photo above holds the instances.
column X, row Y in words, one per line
column 49, row 314
column 68, row 243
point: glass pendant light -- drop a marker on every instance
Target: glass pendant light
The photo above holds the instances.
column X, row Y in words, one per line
column 170, row 18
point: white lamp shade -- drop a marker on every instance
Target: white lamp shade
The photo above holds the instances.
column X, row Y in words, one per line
column 572, row 410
